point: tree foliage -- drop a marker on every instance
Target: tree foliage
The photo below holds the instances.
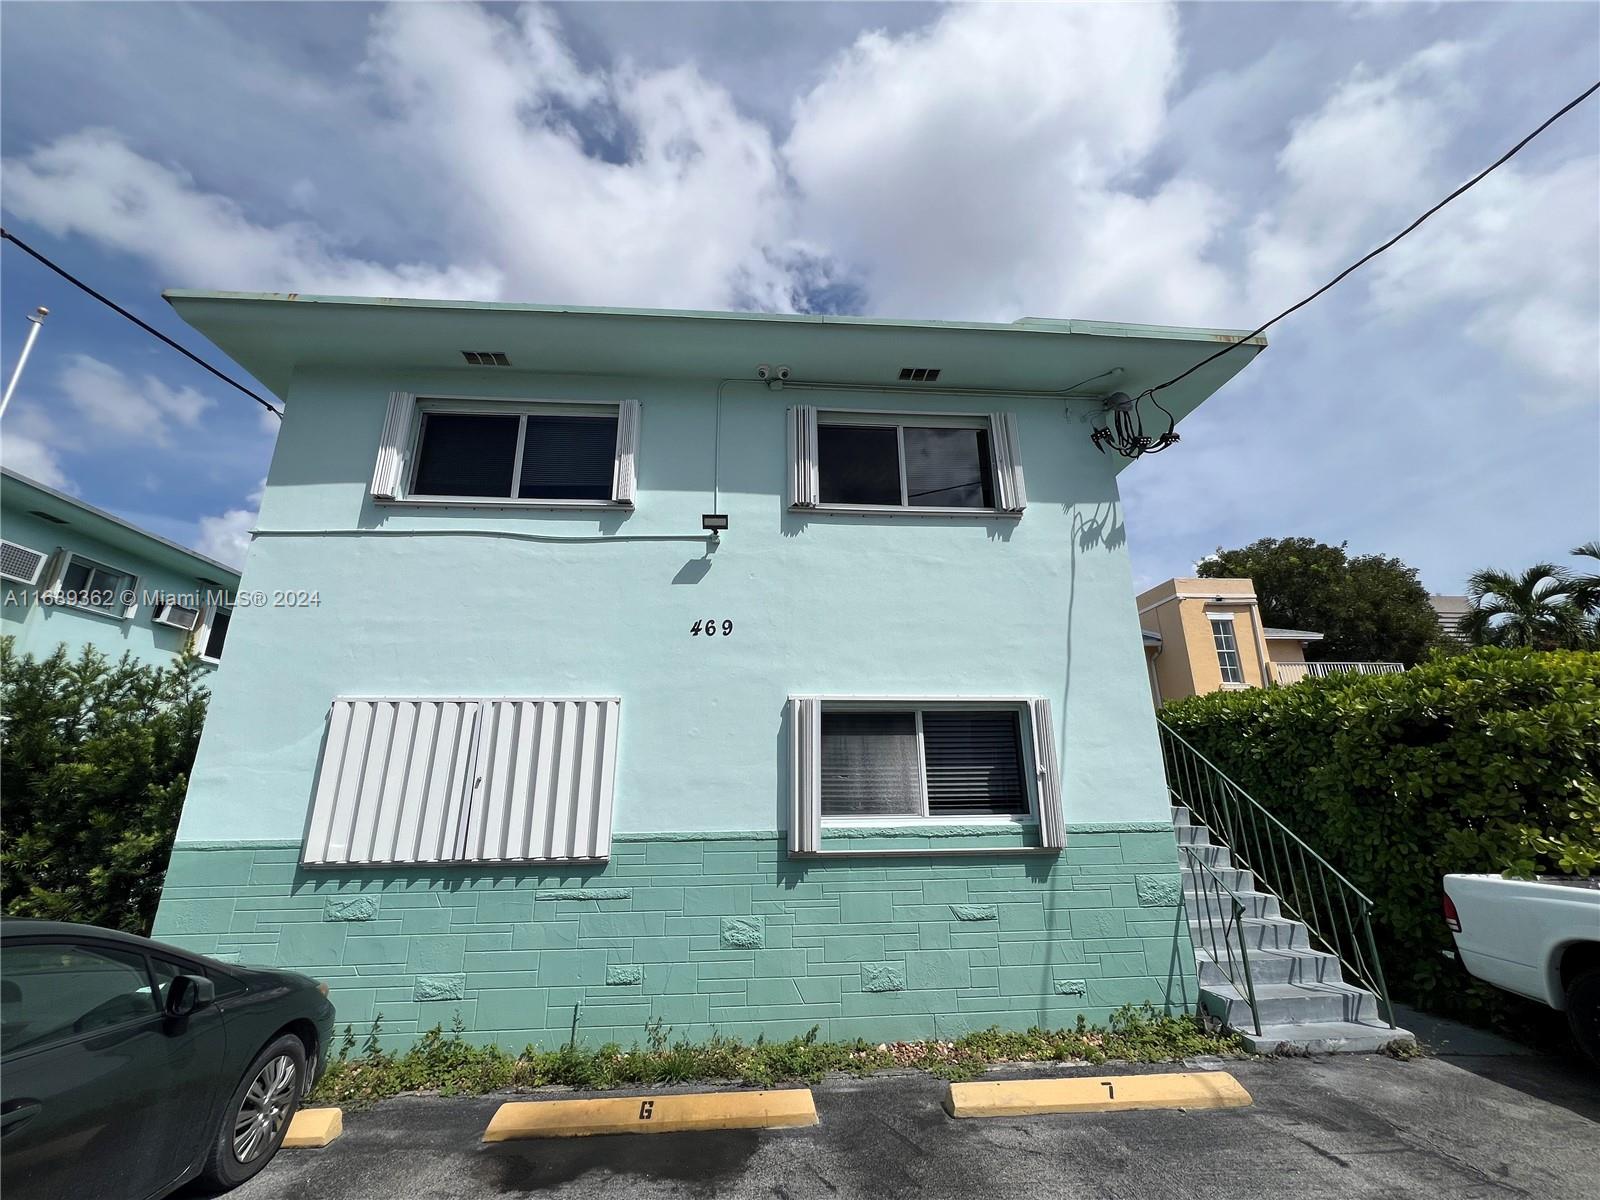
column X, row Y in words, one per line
column 1368, row 608
column 94, row 760
column 1546, row 607
column 1482, row 762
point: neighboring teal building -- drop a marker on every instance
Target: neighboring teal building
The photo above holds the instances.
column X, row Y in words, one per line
column 525, row 743
column 72, row 574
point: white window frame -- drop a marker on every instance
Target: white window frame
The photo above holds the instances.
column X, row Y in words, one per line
column 520, row 407
column 1213, row 619
column 59, row 595
column 917, row 706
column 38, row 570
column 900, row 420
column 202, row 630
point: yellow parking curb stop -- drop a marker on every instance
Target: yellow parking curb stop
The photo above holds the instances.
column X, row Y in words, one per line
column 1100, row 1093
column 652, row 1114
column 314, row 1128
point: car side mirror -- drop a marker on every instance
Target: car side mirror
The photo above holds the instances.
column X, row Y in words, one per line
column 187, row 994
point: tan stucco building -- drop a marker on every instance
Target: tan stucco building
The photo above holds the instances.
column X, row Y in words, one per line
column 1206, row 635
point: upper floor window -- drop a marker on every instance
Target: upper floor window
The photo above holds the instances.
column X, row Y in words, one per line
column 912, row 461
column 85, row 583
column 212, row 632
column 533, row 452
column 1227, row 650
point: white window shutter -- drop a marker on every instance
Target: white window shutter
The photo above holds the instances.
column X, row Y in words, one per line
column 423, row 781
column 623, row 485
column 132, row 606
column 391, row 449
column 55, row 569
column 1052, row 825
column 1009, row 491
column 805, row 776
column 803, row 490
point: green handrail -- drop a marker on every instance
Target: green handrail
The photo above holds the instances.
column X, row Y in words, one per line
column 1334, row 911
column 1209, row 886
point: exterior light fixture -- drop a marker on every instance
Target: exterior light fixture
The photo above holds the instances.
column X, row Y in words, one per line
column 715, row 522
column 1124, row 427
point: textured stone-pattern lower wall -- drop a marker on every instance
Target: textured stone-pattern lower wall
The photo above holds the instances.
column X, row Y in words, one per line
column 720, row 933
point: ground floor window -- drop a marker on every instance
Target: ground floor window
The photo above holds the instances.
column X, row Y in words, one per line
column 922, row 762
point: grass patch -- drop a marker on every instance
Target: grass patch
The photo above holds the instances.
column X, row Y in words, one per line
column 448, row 1064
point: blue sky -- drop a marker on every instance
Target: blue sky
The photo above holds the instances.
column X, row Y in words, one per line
column 1205, row 164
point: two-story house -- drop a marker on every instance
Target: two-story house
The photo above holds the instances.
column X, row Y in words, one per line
column 740, row 672
column 74, row 575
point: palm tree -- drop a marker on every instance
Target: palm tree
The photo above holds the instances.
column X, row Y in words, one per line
column 1585, row 589
column 1534, row 609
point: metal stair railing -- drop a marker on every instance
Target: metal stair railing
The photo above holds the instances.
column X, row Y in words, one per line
column 1215, row 930
column 1334, row 911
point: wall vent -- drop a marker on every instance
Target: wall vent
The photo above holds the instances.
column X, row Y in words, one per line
column 54, row 520
column 486, row 358
column 919, row 374
column 20, row 563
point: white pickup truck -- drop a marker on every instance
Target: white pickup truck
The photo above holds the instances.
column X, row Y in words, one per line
column 1539, row 938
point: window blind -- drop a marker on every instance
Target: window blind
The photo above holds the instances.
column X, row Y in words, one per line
column 974, row 763
column 567, row 457
column 870, row 765
column 465, row 454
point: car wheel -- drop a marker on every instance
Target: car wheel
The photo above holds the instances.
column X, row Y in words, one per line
column 258, row 1114
column 1583, row 1013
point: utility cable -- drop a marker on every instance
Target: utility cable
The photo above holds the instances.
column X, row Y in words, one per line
column 1361, row 262
column 117, row 308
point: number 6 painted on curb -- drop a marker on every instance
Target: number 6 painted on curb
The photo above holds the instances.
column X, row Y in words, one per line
column 646, row 1108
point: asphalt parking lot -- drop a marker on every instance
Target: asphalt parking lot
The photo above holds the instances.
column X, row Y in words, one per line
column 1465, row 1125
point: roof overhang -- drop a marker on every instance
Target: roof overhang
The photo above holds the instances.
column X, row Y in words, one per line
column 68, row 512
column 274, row 335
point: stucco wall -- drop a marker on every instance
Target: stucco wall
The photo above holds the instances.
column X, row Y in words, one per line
column 456, row 602
column 40, row 628
column 820, row 604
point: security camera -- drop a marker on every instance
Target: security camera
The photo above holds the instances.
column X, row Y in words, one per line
column 763, row 372
column 783, row 372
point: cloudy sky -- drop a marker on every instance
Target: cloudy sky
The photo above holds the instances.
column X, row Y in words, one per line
column 1205, row 164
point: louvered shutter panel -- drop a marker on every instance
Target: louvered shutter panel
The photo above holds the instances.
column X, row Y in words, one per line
column 55, row 568
column 393, row 782
column 805, row 791
column 546, row 771
column 1052, row 825
column 803, row 489
column 627, row 450
column 132, row 605
column 1010, row 493
column 420, row 781
column 391, row 448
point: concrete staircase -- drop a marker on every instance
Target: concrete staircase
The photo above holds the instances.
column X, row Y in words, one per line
column 1304, row 1002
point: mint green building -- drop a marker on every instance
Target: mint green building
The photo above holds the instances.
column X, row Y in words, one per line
column 74, row 575
column 513, row 736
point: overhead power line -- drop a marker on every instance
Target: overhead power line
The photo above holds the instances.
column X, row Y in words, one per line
column 1361, row 262
column 117, row 308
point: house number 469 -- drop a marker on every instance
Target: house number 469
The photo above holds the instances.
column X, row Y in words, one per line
column 710, row 628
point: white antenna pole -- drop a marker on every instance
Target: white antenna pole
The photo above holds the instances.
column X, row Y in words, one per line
column 37, row 317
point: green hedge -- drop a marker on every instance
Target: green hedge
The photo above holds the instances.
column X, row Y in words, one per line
column 1483, row 762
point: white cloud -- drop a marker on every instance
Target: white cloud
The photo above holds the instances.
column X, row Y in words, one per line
column 116, row 404
column 987, row 167
column 226, row 537
column 1519, row 258
column 686, row 208
column 92, row 184
column 24, row 448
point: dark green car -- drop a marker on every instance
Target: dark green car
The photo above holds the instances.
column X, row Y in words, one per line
column 130, row 1067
